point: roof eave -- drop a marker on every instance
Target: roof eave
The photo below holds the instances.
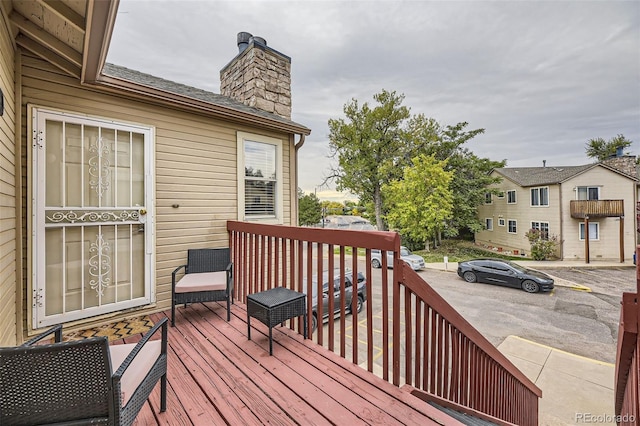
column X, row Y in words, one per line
column 100, row 20
column 140, row 91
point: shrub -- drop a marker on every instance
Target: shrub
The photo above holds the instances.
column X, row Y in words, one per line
column 543, row 246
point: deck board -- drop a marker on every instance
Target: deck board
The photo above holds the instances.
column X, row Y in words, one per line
column 217, row 376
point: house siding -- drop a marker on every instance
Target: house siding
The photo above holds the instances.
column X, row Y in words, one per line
column 195, row 166
column 522, row 212
column 8, row 193
column 613, row 186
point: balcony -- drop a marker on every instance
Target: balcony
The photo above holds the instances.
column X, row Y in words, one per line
column 581, row 209
column 408, row 335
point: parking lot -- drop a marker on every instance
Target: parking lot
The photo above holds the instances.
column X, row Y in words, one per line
column 584, row 323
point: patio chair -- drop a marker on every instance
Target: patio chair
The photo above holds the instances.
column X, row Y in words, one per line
column 82, row 381
column 208, row 277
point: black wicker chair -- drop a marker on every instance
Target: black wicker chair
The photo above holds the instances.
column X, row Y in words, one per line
column 74, row 382
column 208, row 277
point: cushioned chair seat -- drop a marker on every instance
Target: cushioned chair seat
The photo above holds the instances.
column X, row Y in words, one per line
column 203, row 281
column 139, row 368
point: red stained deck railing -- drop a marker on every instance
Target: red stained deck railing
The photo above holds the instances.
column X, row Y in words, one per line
column 407, row 332
column 628, row 357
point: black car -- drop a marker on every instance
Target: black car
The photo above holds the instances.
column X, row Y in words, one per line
column 337, row 302
column 503, row 272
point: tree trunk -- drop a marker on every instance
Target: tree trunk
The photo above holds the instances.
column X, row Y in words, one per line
column 377, row 201
column 426, row 245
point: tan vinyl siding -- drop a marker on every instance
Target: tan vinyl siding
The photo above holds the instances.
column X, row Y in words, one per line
column 613, row 186
column 8, row 205
column 195, row 164
column 522, row 212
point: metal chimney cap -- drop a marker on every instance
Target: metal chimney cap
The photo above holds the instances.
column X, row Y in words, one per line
column 258, row 40
column 243, row 40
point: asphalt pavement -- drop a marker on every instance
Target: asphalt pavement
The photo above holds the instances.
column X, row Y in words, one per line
column 575, row 390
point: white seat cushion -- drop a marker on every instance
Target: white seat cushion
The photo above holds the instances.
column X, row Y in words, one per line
column 202, row 281
column 140, row 366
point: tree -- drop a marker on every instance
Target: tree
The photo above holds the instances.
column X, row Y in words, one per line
column 600, row 149
column 420, row 202
column 471, row 174
column 369, row 144
column 309, row 210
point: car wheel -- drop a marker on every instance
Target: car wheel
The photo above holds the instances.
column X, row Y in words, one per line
column 360, row 304
column 376, row 263
column 314, row 323
column 530, row 286
column 470, row 277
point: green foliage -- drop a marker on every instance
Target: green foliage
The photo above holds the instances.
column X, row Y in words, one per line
column 368, row 145
column 600, row 149
column 420, row 203
column 543, row 247
column 309, row 210
column 459, row 251
column 374, row 145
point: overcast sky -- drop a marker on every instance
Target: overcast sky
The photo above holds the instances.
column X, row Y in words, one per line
column 541, row 77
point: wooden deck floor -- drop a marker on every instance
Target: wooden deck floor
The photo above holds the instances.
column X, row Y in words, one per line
column 216, row 377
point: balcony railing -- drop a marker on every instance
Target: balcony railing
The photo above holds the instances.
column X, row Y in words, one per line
column 596, row 208
column 628, row 358
column 407, row 332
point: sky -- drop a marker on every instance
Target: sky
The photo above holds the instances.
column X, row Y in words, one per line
column 541, row 77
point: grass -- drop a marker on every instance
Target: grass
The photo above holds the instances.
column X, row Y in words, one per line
column 459, row 251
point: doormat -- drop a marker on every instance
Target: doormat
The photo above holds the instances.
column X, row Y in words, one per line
column 114, row 331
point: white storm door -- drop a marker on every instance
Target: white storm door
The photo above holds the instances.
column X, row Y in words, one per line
column 92, row 217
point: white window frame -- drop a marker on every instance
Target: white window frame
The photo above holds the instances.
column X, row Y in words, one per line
column 515, row 225
column 278, row 218
column 515, row 197
column 501, row 221
column 538, row 189
column 500, row 194
column 488, row 221
column 488, row 198
column 581, row 231
column 539, row 223
column 587, row 188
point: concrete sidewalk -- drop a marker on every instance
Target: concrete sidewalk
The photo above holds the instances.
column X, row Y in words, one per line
column 575, row 390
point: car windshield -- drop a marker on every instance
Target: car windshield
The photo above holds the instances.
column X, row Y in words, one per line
column 517, row 267
column 404, row 251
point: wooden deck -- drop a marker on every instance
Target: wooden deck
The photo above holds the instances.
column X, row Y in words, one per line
column 216, row 377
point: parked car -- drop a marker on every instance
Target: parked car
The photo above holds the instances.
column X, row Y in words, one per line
column 416, row 262
column 335, row 287
column 506, row 273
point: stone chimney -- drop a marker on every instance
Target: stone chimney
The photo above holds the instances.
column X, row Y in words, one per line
column 258, row 76
column 625, row 163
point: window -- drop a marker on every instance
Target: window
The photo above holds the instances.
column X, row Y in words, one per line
column 259, row 178
column 488, row 223
column 511, row 197
column 543, row 227
column 594, row 228
column 487, row 198
column 587, row 193
column 540, row 196
column 512, row 226
column 501, row 221
column 500, row 194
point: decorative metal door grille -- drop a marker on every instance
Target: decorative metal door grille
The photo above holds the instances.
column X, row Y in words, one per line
column 92, row 250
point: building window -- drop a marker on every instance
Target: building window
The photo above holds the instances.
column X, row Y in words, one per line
column 587, row 193
column 500, row 194
column 487, row 198
column 543, row 227
column 511, row 197
column 512, row 227
column 259, row 178
column 488, row 223
column 540, row 196
column 594, row 231
column 501, row 221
